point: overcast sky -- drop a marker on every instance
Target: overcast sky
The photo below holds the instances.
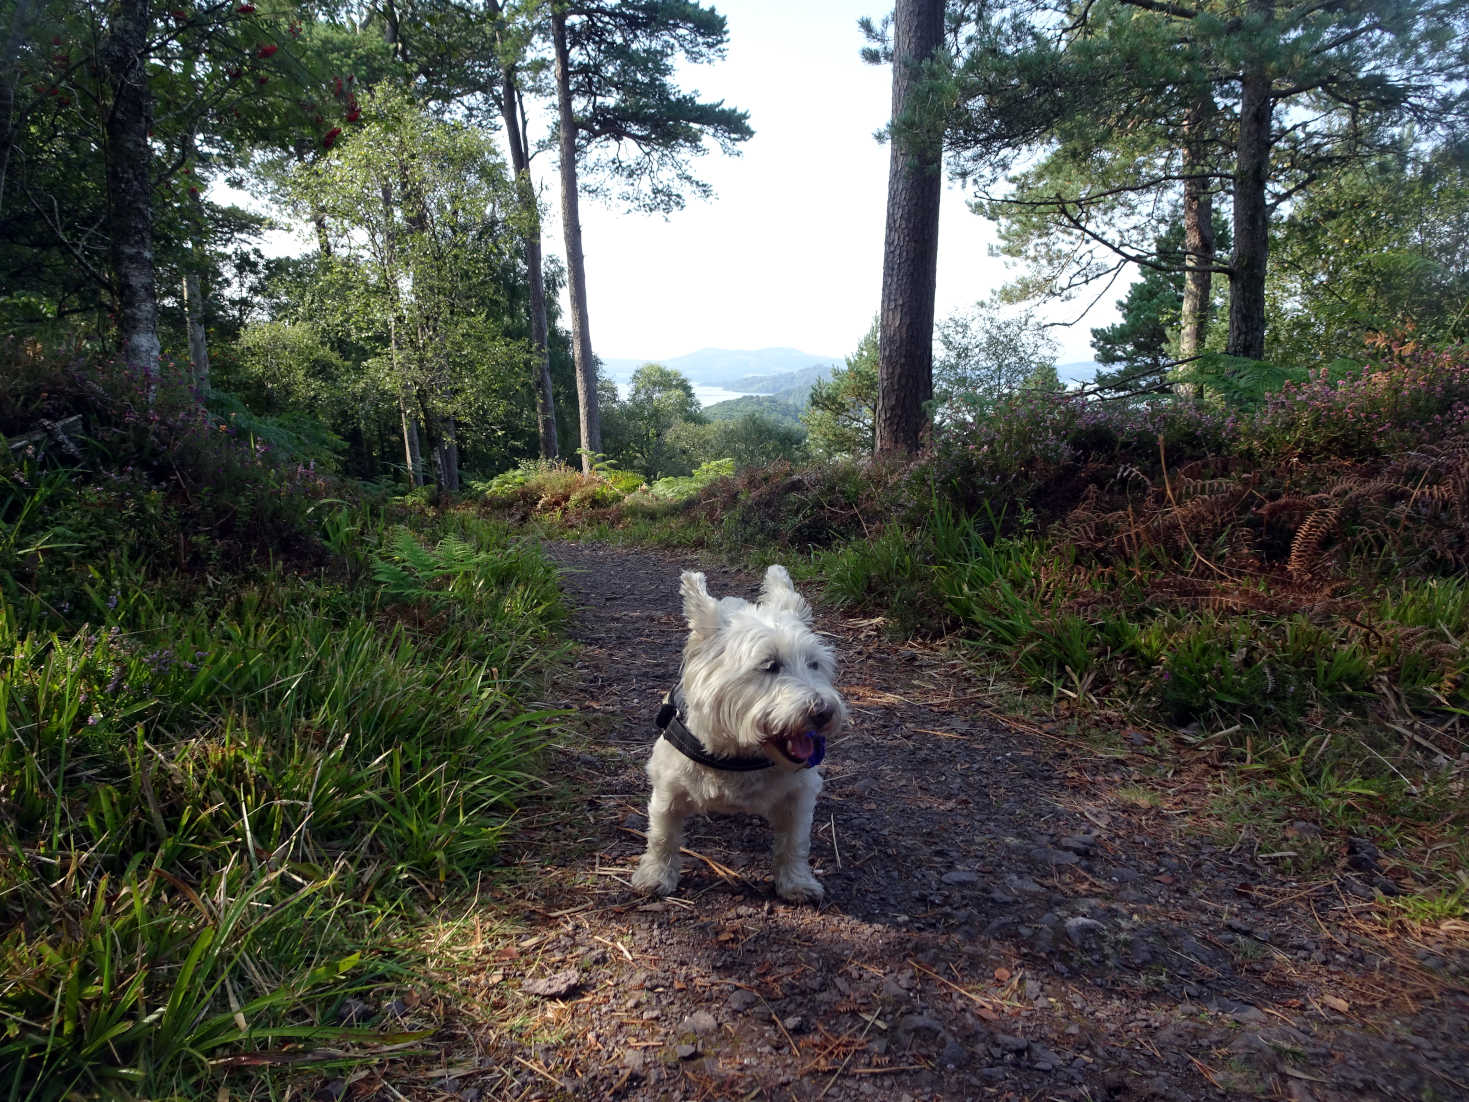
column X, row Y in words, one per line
column 788, row 253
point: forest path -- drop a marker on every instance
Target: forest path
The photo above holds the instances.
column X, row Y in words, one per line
column 1000, row 919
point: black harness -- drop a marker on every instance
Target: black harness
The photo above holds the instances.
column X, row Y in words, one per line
column 671, row 722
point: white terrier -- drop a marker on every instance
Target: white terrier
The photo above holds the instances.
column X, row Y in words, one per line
column 744, row 730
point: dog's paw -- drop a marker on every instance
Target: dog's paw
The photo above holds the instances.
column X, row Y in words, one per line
column 654, row 878
column 799, row 887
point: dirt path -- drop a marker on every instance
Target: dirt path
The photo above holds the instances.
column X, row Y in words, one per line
column 1000, row 920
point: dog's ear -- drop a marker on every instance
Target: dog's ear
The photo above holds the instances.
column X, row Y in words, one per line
column 699, row 609
column 777, row 592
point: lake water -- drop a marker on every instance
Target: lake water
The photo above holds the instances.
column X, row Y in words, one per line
column 706, row 395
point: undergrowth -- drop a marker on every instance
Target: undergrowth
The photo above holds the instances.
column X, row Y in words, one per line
column 246, row 736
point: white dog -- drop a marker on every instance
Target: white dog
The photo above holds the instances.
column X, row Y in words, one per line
column 744, row 730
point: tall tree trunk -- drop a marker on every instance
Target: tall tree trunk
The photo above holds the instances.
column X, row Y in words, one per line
column 323, row 240
column 129, row 189
column 539, row 326
column 407, row 395
column 198, row 340
column 910, row 250
column 576, row 276
column 1251, row 212
column 1198, row 233
column 412, row 453
column 510, row 112
column 198, row 264
column 447, row 457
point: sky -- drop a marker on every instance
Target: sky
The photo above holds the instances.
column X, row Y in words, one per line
column 788, row 252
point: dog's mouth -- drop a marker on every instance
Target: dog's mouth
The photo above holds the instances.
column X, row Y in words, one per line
column 801, row 748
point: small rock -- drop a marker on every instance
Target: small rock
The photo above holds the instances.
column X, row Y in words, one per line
column 1042, row 1058
column 960, row 876
column 1010, row 1043
column 1082, row 930
column 741, row 999
column 954, row 1055
column 700, row 1021
column 354, row 1011
column 1362, row 854
column 686, row 1052
column 1302, row 829
column 912, row 1023
column 633, row 1059
column 794, row 1024
column 1078, row 843
column 1045, row 855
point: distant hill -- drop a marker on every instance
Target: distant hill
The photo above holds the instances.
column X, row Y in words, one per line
column 731, row 369
column 801, row 381
column 776, row 407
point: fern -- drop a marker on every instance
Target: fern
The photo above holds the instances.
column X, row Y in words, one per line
column 1241, row 383
column 1306, row 549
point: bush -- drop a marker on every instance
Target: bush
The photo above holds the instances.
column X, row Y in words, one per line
column 685, row 487
column 1410, row 395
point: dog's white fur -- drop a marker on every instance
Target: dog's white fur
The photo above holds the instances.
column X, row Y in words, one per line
column 753, row 676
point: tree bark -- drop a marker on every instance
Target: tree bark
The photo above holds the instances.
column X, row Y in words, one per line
column 447, row 457
column 198, row 339
column 129, row 189
column 581, row 341
column 198, row 264
column 407, row 403
column 323, row 239
column 539, row 326
column 1198, row 234
column 910, row 250
column 510, row 112
column 1251, row 211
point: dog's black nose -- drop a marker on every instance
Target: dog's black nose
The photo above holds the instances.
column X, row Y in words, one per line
column 821, row 713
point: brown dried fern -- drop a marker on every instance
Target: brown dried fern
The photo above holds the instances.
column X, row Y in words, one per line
column 1307, row 549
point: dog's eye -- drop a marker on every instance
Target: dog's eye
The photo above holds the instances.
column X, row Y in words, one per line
column 813, row 664
column 770, row 665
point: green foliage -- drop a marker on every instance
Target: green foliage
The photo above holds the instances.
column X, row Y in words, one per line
column 781, row 407
column 840, row 417
column 640, row 431
column 1406, row 394
column 684, row 487
column 984, row 359
column 421, row 290
column 637, row 130
column 1142, row 347
column 753, row 440
column 1384, row 250
column 549, row 487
